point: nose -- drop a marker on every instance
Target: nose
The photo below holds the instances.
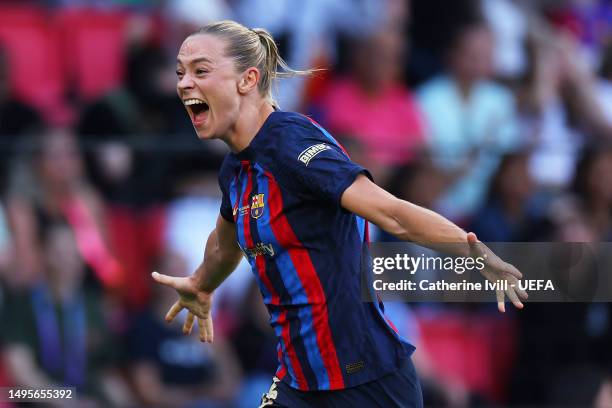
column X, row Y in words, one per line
column 185, row 83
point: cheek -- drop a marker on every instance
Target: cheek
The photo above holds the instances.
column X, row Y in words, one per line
column 225, row 101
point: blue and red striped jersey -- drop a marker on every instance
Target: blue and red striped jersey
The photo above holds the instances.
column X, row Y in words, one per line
column 308, row 254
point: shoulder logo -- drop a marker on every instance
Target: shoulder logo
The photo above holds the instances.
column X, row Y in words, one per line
column 307, row 155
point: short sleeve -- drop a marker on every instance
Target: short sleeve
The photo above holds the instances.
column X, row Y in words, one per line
column 226, row 205
column 224, row 180
column 316, row 163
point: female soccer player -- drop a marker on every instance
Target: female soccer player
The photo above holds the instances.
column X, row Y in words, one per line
column 295, row 205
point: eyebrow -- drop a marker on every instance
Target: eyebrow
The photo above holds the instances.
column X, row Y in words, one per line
column 195, row 61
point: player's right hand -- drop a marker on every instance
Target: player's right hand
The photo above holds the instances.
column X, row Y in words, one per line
column 196, row 301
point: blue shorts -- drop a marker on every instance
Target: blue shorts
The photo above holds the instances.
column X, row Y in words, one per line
column 399, row 389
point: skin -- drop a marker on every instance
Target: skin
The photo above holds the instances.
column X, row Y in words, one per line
column 472, row 58
column 237, row 111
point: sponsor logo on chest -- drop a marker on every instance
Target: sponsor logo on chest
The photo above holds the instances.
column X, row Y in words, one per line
column 258, row 250
column 255, row 208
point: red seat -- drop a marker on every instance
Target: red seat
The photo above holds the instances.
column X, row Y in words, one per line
column 32, row 48
column 475, row 349
column 93, row 43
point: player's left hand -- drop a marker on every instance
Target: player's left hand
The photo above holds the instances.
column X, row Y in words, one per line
column 495, row 270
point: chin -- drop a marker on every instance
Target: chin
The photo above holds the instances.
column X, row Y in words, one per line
column 205, row 134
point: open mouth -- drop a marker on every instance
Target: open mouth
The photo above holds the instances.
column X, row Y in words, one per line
column 198, row 110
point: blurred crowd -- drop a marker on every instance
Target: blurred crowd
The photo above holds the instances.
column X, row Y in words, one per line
column 495, row 113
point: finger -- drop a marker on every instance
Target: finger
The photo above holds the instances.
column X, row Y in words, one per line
column 500, row 300
column 174, row 310
column 513, row 298
column 206, row 329
column 164, row 279
column 209, row 329
column 472, row 239
column 514, row 272
column 515, row 284
column 188, row 324
column 202, row 329
column 523, row 295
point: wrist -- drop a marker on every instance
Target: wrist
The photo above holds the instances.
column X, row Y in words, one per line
column 199, row 283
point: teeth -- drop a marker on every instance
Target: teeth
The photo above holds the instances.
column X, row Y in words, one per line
column 190, row 102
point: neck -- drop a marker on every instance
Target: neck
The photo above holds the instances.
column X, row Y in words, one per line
column 250, row 120
column 464, row 85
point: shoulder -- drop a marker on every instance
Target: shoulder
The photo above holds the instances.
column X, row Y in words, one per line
column 434, row 87
column 293, row 125
column 494, row 91
column 293, row 133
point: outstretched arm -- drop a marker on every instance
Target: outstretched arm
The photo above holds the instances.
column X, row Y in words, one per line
column 221, row 257
column 410, row 222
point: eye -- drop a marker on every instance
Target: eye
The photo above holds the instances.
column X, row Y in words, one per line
column 179, row 73
column 201, row 71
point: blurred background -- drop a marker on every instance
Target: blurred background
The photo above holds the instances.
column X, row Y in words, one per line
column 496, row 113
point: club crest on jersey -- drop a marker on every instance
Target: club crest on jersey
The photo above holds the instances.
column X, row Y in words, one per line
column 307, row 155
column 257, row 205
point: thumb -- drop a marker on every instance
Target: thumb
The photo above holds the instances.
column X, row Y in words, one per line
column 164, row 279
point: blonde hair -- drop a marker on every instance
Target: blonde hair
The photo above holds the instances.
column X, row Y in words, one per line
column 253, row 48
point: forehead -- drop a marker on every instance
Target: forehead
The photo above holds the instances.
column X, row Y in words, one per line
column 477, row 36
column 201, row 46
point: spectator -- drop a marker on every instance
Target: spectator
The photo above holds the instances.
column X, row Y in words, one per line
column 372, row 106
column 308, row 30
column 50, row 187
column 472, row 119
column 508, row 20
column 594, row 191
column 559, row 107
column 431, row 31
column 420, row 183
column 583, row 216
column 55, row 333
column 510, row 213
column 585, row 213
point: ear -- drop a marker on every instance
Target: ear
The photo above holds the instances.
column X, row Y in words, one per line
column 248, row 80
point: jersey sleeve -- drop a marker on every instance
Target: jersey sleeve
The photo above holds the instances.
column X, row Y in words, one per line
column 226, row 208
column 226, row 204
column 314, row 163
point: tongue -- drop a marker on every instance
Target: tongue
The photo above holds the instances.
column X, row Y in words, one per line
column 201, row 116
